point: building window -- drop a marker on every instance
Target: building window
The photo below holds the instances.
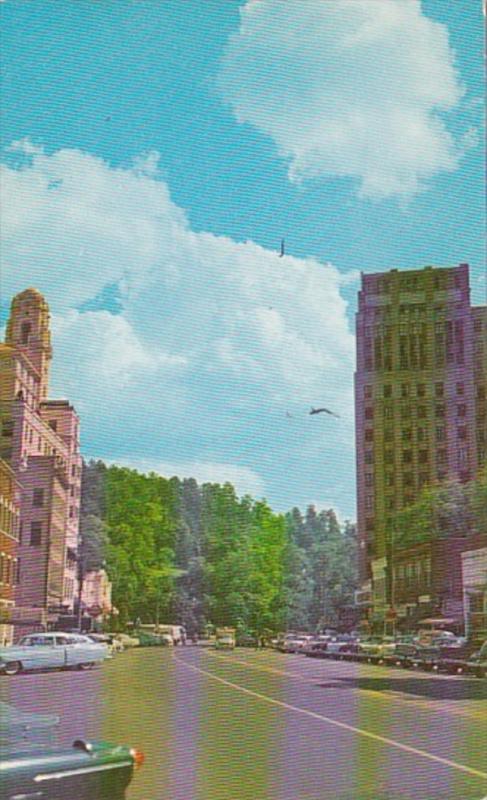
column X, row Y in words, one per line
column 407, row 456
column 388, row 390
column 462, row 432
column 369, row 478
column 406, row 434
column 460, row 388
column 369, row 412
column 389, row 456
column 441, row 457
column 73, row 470
column 440, row 433
column 408, row 479
column 35, row 533
column 461, row 409
column 38, row 498
column 369, row 435
column 421, row 412
column 389, row 479
column 480, row 392
column 404, row 389
column 439, row 390
column 421, row 390
column 25, row 330
column 369, row 502
column 440, row 410
column 8, row 427
column 388, row 412
column 423, row 456
column 369, row 457
column 53, row 424
column 406, row 412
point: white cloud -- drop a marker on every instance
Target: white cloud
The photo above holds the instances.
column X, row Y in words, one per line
column 214, row 341
column 348, row 88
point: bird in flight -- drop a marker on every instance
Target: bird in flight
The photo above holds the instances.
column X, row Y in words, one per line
column 326, row 410
column 282, row 249
column 288, row 415
column 108, row 119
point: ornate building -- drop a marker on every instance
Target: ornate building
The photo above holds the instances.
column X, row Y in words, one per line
column 39, row 439
column 9, row 537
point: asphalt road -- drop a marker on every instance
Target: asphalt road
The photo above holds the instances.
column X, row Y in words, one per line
column 253, row 725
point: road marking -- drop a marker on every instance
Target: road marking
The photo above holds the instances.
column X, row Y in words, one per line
column 403, row 698
column 344, row 725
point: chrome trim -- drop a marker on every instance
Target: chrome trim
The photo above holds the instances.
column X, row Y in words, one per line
column 56, row 776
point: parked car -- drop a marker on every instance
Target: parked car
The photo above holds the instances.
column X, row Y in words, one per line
column 293, row 644
column 51, row 651
column 32, row 765
column 478, row 662
column 126, row 640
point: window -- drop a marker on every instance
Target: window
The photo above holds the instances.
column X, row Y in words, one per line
column 423, row 457
column 388, row 412
column 369, row 478
column 439, row 390
column 369, row 435
column 460, row 388
column 369, row 457
column 389, row 479
column 421, row 390
column 8, row 427
column 404, row 389
column 388, row 435
column 73, row 470
column 408, row 479
column 441, row 457
column 25, row 330
column 407, row 456
column 389, row 456
column 440, row 433
column 421, row 412
column 406, row 434
column 462, row 432
column 369, row 412
column 38, row 498
column 35, row 533
column 461, row 409
column 480, row 392
column 53, row 424
column 440, row 410
column 406, row 412
column 369, row 502
column 388, row 390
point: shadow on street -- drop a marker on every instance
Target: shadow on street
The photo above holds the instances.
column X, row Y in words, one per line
column 433, row 688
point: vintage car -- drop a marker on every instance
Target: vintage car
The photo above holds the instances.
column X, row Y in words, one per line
column 33, row 765
column 51, row 651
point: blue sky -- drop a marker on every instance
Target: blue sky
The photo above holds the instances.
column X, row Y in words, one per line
column 156, row 153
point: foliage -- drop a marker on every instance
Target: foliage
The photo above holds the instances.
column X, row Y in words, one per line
column 449, row 509
column 176, row 551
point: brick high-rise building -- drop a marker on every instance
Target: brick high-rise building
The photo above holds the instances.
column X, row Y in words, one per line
column 420, row 389
column 39, row 439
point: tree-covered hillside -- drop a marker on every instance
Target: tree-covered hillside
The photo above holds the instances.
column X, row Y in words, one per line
column 178, row 551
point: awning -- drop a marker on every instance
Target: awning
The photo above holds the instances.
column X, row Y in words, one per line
column 440, row 621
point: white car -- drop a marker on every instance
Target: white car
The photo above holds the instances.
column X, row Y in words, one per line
column 51, row 651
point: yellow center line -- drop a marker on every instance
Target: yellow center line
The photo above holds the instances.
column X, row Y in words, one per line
column 343, row 725
column 379, row 694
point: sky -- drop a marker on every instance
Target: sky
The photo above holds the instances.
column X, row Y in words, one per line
column 154, row 154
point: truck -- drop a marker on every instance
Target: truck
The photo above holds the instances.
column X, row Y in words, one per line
column 225, row 638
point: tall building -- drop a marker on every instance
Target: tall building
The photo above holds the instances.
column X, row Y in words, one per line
column 9, row 537
column 39, row 439
column 420, row 398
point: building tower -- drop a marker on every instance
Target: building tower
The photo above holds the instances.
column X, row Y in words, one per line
column 28, row 331
column 419, row 399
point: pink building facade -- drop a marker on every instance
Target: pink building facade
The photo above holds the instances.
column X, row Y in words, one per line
column 40, row 441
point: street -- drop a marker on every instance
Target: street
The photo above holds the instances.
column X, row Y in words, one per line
column 260, row 725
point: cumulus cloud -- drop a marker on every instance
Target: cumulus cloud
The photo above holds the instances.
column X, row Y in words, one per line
column 348, row 88
column 213, row 340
